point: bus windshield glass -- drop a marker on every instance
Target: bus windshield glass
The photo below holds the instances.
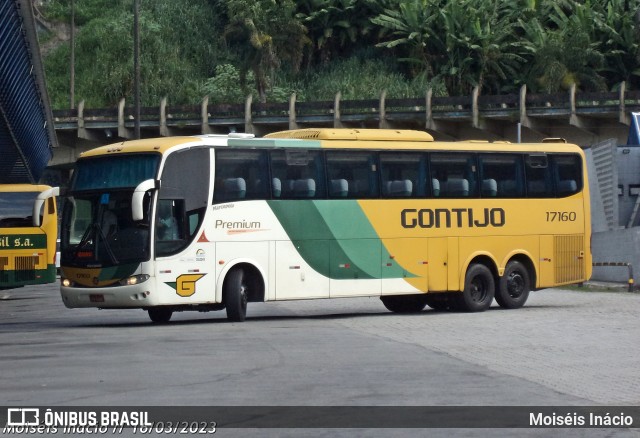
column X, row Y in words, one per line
column 16, row 209
column 114, row 171
column 99, row 230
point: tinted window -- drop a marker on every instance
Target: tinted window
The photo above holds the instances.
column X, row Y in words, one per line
column 183, row 196
column 116, row 171
column 241, row 175
column 568, row 174
column 299, row 174
column 404, row 175
column 16, row 208
column 352, row 174
column 502, row 176
column 539, row 177
column 453, row 175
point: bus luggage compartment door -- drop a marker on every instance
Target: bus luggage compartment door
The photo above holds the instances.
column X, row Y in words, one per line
column 299, row 276
column 438, row 250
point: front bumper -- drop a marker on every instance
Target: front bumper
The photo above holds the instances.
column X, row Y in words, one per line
column 117, row 297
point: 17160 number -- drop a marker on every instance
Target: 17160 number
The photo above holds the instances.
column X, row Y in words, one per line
column 561, row 216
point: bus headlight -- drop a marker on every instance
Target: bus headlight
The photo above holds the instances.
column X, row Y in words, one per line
column 135, row 279
column 66, row 282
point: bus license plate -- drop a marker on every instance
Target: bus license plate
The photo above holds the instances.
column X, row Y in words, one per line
column 96, row 298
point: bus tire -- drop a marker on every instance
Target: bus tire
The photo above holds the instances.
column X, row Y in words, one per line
column 160, row 315
column 514, row 286
column 234, row 293
column 404, row 303
column 479, row 289
column 439, row 301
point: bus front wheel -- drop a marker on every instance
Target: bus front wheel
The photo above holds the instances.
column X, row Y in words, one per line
column 479, row 289
column 235, row 295
column 514, row 286
column 160, row 315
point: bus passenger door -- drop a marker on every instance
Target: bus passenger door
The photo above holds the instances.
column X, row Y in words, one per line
column 355, row 267
column 438, row 249
column 302, row 269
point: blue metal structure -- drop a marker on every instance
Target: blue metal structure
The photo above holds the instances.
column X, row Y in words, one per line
column 27, row 134
column 634, row 130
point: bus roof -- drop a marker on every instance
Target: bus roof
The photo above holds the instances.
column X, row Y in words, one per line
column 160, row 144
column 354, row 134
column 331, row 138
column 391, row 139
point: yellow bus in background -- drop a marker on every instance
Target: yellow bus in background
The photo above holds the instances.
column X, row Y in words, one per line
column 28, row 232
column 209, row 222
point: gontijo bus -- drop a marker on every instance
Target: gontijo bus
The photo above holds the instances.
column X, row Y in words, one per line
column 206, row 223
column 28, row 232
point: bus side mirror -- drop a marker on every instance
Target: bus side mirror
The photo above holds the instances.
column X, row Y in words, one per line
column 42, row 196
column 137, row 200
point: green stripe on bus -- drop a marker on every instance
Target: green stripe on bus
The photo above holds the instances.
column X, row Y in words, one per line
column 335, row 238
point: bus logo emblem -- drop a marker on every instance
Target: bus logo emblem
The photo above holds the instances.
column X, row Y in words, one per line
column 185, row 284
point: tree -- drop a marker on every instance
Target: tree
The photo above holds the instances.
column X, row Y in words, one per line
column 264, row 33
column 620, row 34
column 412, row 26
column 564, row 48
column 338, row 27
column 482, row 48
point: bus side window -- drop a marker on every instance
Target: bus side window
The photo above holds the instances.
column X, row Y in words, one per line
column 567, row 174
column 501, row 176
column 352, row 174
column 538, row 176
column 299, row 174
column 403, row 174
column 455, row 175
column 240, row 175
column 168, row 221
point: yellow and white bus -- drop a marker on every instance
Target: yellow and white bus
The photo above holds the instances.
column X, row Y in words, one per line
column 206, row 223
column 28, row 231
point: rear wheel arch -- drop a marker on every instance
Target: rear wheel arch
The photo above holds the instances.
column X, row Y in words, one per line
column 526, row 261
column 482, row 259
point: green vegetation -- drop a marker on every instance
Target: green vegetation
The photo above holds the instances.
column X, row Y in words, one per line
column 270, row 48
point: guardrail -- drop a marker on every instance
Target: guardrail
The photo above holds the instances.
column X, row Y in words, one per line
column 578, row 107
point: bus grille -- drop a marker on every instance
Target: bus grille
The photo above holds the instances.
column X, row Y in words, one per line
column 4, row 275
column 25, row 268
column 569, row 256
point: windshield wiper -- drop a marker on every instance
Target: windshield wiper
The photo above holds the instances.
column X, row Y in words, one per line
column 95, row 229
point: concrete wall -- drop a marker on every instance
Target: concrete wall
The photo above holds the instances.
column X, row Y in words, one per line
column 616, row 246
column 615, row 242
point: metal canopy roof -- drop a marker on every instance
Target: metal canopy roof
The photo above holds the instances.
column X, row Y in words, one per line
column 634, row 130
column 27, row 133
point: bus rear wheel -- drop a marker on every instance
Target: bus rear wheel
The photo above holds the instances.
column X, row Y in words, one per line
column 479, row 289
column 404, row 303
column 234, row 292
column 514, row 286
column 160, row 315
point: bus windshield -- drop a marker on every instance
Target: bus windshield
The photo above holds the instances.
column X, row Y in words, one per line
column 16, row 209
column 114, row 171
column 99, row 230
